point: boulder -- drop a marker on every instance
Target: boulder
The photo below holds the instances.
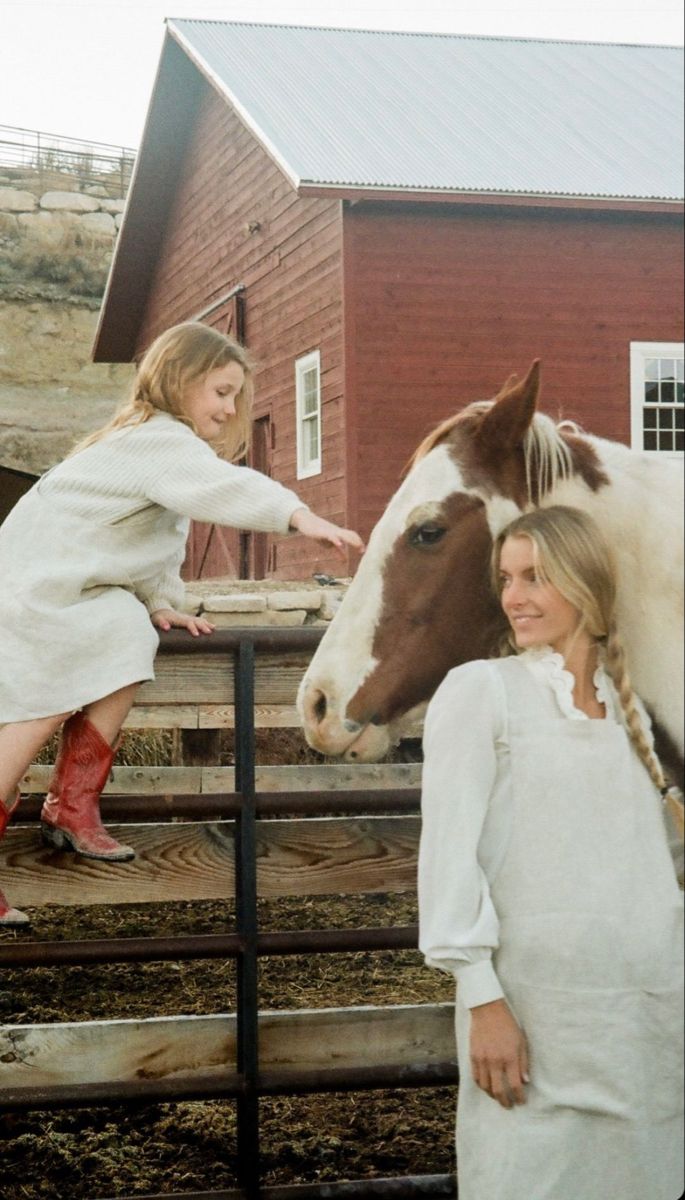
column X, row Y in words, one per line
column 310, row 600
column 70, row 202
column 101, row 224
column 256, row 620
column 13, row 200
column 112, row 205
column 232, row 603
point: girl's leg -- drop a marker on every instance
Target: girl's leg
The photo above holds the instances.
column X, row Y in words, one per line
column 19, row 744
column 70, row 818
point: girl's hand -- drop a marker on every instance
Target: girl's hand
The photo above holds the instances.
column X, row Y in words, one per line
column 167, row 618
column 499, row 1053
column 311, row 526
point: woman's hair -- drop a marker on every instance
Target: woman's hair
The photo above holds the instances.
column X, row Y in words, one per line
column 177, row 358
column 571, row 554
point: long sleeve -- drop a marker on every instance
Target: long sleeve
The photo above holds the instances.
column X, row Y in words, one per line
column 165, row 589
column 185, row 476
column 458, row 924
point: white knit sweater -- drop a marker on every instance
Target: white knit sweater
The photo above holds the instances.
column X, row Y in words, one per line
column 95, row 543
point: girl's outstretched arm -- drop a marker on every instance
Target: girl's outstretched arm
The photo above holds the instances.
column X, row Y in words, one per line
column 311, row 526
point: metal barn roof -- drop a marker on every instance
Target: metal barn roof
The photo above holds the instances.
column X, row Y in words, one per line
column 350, row 109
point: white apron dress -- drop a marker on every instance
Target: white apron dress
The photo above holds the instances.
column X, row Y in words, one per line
column 590, row 961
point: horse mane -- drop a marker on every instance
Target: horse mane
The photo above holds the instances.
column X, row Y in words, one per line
column 547, row 456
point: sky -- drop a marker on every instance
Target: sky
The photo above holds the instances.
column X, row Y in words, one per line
column 85, row 68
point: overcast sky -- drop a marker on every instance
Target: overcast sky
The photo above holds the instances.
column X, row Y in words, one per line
column 85, row 68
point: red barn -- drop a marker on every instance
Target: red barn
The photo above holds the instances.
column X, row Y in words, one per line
column 395, row 222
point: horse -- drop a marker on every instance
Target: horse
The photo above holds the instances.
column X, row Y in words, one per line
column 421, row 601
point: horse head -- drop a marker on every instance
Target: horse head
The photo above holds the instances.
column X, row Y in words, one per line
column 421, row 600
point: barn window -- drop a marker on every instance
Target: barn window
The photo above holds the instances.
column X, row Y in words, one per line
column 657, row 381
column 308, row 398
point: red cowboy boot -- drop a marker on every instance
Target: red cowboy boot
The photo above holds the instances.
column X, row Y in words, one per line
column 70, row 817
column 10, row 918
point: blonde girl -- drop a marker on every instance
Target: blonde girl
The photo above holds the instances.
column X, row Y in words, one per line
column 89, row 566
column 546, row 888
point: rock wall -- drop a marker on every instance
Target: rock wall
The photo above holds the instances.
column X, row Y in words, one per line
column 55, row 251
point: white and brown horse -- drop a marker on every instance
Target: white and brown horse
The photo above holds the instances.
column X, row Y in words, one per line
column 421, row 601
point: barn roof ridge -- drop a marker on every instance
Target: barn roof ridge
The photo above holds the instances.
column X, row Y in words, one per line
column 424, row 33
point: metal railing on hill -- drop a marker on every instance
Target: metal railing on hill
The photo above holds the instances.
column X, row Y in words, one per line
column 52, row 157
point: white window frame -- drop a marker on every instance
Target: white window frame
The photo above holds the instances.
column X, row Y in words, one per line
column 306, row 467
column 639, row 353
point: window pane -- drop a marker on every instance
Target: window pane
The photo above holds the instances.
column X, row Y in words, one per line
column 649, row 441
column 667, row 368
column 679, row 418
column 665, row 441
column 665, row 418
column 680, row 369
column 650, row 418
column 312, row 440
column 310, row 391
column 667, row 391
column 651, row 368
column 651, row 393
column 680, row 390
column 680, row 441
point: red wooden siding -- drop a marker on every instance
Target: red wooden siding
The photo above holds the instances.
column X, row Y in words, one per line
column 442, row 305
column 236, row 220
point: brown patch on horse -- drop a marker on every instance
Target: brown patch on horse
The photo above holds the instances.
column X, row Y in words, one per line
column 585, row 459
column 437, row 611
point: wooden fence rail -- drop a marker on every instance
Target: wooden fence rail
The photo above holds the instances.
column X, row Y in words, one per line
column 246, row 679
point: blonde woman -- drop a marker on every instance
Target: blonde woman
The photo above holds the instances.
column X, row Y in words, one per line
column 89, row 565
column 546, row 887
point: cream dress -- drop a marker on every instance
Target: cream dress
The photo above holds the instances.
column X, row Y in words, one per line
column 545, row 876
column 96, row 546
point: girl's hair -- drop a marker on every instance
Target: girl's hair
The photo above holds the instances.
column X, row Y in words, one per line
column 176, row 359
column 571, row 553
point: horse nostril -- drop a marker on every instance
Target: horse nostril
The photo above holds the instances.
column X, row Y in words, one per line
column 320, row 707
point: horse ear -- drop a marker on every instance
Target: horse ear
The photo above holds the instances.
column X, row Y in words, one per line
column 506, row 423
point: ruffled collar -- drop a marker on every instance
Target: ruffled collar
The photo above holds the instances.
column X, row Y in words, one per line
column 548, row 666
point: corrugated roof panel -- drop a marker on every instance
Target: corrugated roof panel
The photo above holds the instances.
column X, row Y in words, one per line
column 351, row 108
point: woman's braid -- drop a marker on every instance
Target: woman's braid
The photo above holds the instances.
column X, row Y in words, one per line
column 616, row 667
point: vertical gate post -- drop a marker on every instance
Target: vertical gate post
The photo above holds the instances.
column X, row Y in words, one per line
column 246, row 922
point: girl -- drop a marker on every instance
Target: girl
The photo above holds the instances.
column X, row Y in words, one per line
column 547, row 889
column 90, row 560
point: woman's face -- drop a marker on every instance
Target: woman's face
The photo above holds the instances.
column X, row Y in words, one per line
column 210, row 401
column 537, row 612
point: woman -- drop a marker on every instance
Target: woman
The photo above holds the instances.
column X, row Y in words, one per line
column 546, row 887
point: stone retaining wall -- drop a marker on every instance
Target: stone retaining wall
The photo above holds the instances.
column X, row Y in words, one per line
column 251, row 603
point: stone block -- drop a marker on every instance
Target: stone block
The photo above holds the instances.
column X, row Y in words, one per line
column 330, row 603
column 310, row 600
column 96, row 189
column 70, row 202
column 232, row 603
column 112, row 204
column 256, row 620
column 118, row 218
column 46, row 227
column 13, row 200
column 9, row 224
column 192, row 603
column 101, row 224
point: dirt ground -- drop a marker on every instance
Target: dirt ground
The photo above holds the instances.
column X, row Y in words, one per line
column 138, row 1150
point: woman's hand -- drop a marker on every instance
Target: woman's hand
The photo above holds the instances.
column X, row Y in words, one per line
column 307, row 523
column 499, row 1053
column 168, row 618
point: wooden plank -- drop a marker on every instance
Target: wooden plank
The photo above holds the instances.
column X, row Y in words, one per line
column 156, row 1048
column 207, row 679
column 208, row 716
column 129, row 781
column 194, row 861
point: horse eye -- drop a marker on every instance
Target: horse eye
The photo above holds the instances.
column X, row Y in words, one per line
column 427, row 534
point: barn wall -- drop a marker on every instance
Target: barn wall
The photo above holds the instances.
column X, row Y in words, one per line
column 443, row 304
column 236, row 220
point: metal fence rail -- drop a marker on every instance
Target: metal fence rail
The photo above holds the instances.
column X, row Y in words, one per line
column 247, row 1084
column 52, row 156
